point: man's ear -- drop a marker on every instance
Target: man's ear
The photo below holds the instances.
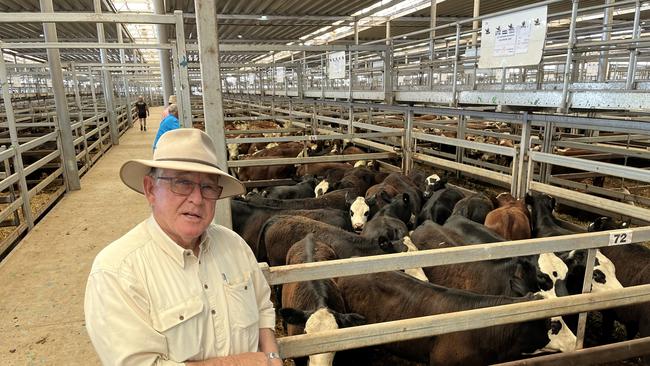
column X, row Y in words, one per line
column 148, row 185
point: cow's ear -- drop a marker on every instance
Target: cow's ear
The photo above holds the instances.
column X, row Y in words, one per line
column 347, row 198
column 294, row 316
column 385, row 196
column 349, row 320
column 371, row 201
column 529, row 198
column 518, row 286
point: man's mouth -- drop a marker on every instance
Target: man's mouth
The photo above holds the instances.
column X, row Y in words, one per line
column 191, row 215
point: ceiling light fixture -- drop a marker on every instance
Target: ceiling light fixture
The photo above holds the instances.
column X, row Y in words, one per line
column 264, row 17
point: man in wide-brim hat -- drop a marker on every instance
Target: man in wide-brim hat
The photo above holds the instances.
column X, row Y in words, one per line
column 177, row 288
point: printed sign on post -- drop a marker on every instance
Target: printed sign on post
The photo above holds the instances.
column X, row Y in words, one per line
column 515, row 39
column 336, row 65
column 279, row 74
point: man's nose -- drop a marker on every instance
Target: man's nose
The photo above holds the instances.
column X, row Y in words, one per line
column 195, row 195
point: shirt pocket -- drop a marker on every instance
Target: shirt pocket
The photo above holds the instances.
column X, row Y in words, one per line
column 182, row 328
column 242, row 302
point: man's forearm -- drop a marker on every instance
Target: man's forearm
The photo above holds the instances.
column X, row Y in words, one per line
column 242, row 359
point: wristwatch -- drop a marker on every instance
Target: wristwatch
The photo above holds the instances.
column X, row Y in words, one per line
column 273, row 355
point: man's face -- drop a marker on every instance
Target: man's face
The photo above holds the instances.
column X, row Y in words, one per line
column 183, row 218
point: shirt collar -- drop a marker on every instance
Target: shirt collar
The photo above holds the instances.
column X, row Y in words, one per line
column 169, row 246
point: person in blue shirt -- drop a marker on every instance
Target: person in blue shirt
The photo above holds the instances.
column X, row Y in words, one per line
column 169, row 123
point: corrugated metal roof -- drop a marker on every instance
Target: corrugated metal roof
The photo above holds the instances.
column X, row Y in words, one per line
column 255, row 31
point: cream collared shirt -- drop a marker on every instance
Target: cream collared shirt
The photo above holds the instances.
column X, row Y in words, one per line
column 150, row 302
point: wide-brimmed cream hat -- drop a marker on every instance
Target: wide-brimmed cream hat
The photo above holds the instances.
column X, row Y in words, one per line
column 184, row 149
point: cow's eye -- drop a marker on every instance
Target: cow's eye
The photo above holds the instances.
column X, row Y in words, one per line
column 365, row 213
column 554, row 273
column 351, row 214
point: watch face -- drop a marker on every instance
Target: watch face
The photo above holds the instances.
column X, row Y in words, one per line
column 272, row 355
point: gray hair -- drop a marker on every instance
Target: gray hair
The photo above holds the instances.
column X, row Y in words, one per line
column 173, row 108
column 154, row 172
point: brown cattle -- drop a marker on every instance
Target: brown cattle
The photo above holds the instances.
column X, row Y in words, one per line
column 279, row 233
column 511, row 219
column 285, row 150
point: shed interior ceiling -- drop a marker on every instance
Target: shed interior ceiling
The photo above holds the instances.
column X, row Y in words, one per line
column 252, row 31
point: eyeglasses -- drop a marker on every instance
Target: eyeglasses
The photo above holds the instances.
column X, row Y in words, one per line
column 185, row 187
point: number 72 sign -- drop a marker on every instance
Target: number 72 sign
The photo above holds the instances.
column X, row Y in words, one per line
column 620, row 237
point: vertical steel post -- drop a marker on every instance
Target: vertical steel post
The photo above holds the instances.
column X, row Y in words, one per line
column 407, row 152
column 586, row 288
column 432, row 36
column 98, row 121
column 206, row 22
column 177, row 72
column 631, row 68
column 185, row 108
column 522, row 178
column 350, row 76
column 68, row 156
column 77, row 98
column 15, row 145
column 475, row 29
column 108, row 81
column 564, row 102
column 127, row 94
column 608, row 18
column 388, row 67
column 322, row 75
column 165, row 65
column 454, row 87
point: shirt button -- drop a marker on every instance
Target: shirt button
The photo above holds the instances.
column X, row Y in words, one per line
column 187, row 254
column 181, row 317
column 205, row 287
column 214, row 311
column 245, row 287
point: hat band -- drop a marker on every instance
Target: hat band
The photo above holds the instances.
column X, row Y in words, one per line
column 191, row 161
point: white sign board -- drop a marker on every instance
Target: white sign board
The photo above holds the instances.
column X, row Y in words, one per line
column 251, row 79
column 336, row 65
column 279, row 74
column 515, row 39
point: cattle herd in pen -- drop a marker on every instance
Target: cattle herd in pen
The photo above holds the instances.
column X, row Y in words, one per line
column 344, row 210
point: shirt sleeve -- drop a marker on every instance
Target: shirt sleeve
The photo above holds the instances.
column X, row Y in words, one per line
column 262, row 291
column 118, row 322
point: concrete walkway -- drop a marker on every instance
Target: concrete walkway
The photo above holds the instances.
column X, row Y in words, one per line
column 43, row 280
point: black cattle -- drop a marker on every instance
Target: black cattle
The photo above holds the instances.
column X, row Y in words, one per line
column 401, row 297
column 544, row 273
column 248, row 218
column 632, row 269
column 475, row 207
column 430, row 234
column 317, row 303
column 389, row 223
column 403, row 184
column 543, row 222
column 338, row 200
column 303, row 189
column 279, row 233
column 441, row 203
column 471, row 231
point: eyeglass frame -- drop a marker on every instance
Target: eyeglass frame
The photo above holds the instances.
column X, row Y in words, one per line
column 173, row 181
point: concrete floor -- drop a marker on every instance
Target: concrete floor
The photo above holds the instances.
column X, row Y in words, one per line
column 42, row 281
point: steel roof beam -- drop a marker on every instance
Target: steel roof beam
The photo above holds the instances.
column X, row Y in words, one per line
column 85, row 17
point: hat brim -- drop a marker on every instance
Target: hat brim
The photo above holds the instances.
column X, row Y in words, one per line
column 133, row 171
